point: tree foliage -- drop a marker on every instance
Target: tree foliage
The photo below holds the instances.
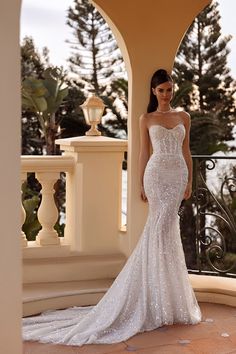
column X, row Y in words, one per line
column 116, row 101
column 69, row 115
column 204, row 81
column 44, row 97
column 96, row 55
column 99, row 65
column 33, row 64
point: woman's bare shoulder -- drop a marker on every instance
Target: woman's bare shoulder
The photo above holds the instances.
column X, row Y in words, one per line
column 185, row 116
column 145, row 116
column 144, row 119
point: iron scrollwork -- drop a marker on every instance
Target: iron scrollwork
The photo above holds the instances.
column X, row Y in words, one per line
column 216, row 211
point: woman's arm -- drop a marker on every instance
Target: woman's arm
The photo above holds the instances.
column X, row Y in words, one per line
column 144, row 152
column 187, row 155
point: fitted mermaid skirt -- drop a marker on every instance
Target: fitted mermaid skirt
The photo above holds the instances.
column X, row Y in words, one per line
column 153, row 288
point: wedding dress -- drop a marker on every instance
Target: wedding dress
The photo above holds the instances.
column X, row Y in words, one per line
column 153, row 288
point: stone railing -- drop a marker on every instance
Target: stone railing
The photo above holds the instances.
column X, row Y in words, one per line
column 93, row 167
column 47, row 171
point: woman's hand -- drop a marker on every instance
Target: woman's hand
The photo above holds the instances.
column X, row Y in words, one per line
column 143, row 195
column 188, row 191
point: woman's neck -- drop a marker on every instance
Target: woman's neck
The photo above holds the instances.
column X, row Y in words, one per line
column 164, row 108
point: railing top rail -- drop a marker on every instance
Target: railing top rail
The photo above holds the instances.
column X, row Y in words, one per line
column 92, row 141
column 42, row 163
column 90, row 144
column 214, row 157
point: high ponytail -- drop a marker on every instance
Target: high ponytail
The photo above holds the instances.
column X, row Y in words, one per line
column 159, row 77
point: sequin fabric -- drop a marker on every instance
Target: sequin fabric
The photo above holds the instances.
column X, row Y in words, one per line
column 153, row 288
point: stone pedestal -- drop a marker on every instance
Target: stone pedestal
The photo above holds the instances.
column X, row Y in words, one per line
column 93, row 193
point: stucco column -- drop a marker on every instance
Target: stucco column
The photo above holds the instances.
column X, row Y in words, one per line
column 93, row 193
column 10, row 181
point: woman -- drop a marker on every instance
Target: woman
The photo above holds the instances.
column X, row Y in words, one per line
column 160, row 113
column 153, row 288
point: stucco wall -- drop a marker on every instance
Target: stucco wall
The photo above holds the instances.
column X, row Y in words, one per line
column 10, row 250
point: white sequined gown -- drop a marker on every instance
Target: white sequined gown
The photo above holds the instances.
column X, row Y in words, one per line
column 153, row 288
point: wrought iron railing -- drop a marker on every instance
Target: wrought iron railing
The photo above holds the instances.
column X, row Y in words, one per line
column 208, row 220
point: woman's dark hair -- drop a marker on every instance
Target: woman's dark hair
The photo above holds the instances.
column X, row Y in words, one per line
column 159, row 77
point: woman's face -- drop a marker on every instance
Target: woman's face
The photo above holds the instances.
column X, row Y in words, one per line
column 164, row 92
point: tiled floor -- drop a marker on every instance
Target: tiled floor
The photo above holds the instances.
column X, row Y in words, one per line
column 216, row 334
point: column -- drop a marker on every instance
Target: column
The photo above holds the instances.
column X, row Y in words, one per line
column 47, row 212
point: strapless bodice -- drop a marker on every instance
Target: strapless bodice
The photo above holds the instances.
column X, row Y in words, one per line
column 167, row 141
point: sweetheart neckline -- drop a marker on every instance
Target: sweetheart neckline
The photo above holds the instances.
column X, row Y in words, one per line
column 162, row 126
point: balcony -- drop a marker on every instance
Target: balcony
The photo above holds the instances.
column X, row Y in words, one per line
column 77, row 269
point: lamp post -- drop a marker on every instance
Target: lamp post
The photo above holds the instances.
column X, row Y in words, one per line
column 93, row 109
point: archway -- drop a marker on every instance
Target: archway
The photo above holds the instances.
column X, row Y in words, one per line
column 147, row 40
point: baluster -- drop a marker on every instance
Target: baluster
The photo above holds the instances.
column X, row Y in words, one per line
column 24, row 241
column 47, row 212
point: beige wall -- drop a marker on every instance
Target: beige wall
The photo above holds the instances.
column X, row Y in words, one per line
column 148, row 33
column 10, row 251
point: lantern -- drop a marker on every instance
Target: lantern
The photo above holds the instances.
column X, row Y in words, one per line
column 93, row 109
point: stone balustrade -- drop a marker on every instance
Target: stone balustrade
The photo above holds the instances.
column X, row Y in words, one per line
column 93, row 167
column 47, row 171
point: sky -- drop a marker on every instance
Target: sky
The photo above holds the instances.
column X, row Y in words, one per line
column 45, row 21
